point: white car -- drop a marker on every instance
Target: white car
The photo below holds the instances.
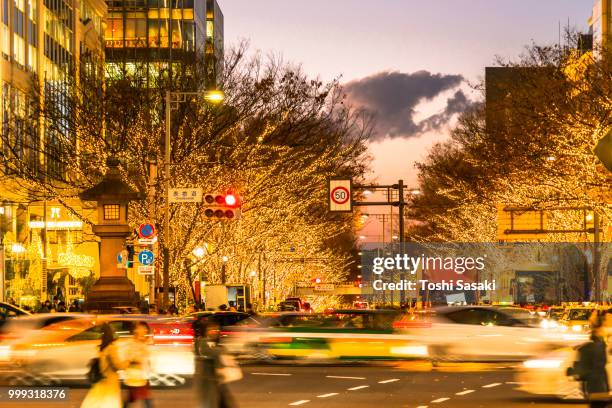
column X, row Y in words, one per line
column 60, row 352
column 482, row 333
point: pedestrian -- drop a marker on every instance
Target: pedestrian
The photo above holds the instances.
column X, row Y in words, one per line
column 106, row 392
column 74, row 306
column 249, row 309
column 137, row 374
column 590, row 366
column 45, row 307
column 61, row 307
column 173, row 310
column 223, row 307
column 215, row 369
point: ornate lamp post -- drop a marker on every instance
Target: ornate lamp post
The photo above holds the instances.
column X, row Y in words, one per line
column 113, row 196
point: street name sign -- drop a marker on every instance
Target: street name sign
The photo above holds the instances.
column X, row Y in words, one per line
column 145, row 257
column 340, row 195
column 185, row 195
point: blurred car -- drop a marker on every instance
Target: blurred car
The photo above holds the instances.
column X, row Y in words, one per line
column 483, row 333
column 576, row 319
column 21, row 327
column 223, row 318
column 545, row 375
column 60, row 352
column 8, row 312
column 338, row 335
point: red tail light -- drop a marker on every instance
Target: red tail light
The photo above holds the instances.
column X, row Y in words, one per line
column 172, row 333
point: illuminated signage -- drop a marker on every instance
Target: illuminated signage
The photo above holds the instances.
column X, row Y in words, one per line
column 56, row 224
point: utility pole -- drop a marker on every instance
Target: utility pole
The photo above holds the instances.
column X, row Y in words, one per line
column 166, row 271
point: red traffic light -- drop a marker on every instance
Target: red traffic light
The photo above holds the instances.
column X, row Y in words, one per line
column 231, row 200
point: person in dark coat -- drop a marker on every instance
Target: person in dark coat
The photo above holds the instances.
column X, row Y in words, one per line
column 213, row 390
column 590, row 367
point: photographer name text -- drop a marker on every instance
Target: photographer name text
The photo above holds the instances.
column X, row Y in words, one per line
column 446, row 285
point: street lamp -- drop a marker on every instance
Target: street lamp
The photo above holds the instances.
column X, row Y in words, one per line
column 212, row 96
column 199, row 252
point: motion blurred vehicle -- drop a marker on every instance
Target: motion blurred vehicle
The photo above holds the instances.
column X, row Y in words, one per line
column 222, row 318
column 546, row 375
column 28, row 325
column 338, row 335
column 576, row 319
column 8, row 312
column 483, row 333
column 60, row 352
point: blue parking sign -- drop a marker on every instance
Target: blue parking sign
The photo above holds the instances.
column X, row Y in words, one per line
column 145, row 257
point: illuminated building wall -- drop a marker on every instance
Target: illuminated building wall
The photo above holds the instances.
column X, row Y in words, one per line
column 156, row 32
column 42, row 42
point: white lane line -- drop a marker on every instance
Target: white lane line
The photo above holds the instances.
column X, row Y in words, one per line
column 422, row 406
column 331, row 394
column 464, row 392
column 516, row 383
column 345, row 378
column 359, row 387
column 491, row 385
column 279, row 374
column 439, row 400
column 388, row 381
column 300, row 402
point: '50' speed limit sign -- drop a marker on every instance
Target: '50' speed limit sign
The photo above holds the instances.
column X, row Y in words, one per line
column 340, row 195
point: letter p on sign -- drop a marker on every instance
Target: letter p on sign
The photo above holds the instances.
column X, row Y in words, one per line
column 340, row 195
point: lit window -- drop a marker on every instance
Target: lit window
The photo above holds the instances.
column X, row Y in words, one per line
column 111, row 211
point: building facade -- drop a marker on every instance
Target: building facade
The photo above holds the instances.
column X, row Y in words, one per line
column 600, row 23
column 44, row 246
column 153, row 33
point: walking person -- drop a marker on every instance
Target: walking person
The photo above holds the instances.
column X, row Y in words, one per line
column 137, row 374
column 590, row 367
column 106, row 391
column 215, row 369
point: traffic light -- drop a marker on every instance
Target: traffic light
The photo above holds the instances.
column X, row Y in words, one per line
column 222, row 206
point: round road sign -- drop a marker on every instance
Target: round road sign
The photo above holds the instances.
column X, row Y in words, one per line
column 340, row 195
column 146, row 231
column 145, row 257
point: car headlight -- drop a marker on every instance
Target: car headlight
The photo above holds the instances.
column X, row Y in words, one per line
column 542, row 363
column 413, row 350
column 5, row 353
column 577, row 328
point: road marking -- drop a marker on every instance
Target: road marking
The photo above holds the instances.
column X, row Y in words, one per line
column 422, row 406
column 464, row 392
column 345, row 378
column 359, row 387
column 516, row 383
column 439, row 400
column 300, row 402
column 491, row 385
column 388, row 381
column 331, row 394
column 280, row 374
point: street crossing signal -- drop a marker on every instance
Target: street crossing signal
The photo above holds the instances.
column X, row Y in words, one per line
column 222, row 206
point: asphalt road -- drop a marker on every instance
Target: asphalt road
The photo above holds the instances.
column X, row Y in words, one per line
column 414, row 385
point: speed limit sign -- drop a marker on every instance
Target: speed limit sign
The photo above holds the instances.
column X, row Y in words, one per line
column 340, row 195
